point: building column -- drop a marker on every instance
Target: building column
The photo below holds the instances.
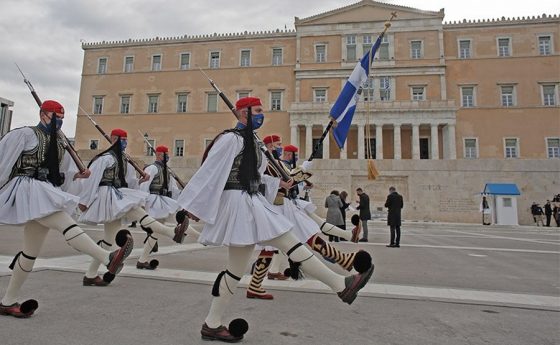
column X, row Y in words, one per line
column 361, row 146
column 379, row 141
column 397, row 141
column 449, row 149
column 326, row 145
column 435, row 141
column 308, row 140
column 294, row 135
column 415, row 141
column 344, row 153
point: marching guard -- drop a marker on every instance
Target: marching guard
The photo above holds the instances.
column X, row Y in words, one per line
column 109, row 195
column 227, row 194
column 34, row 172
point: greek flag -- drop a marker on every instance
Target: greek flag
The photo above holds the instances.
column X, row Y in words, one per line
column 343, row 109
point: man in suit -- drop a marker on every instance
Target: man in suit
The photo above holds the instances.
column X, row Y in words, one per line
column 394, row 203
column 365, row 213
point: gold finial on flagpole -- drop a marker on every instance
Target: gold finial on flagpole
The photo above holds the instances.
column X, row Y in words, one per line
column 388, row 23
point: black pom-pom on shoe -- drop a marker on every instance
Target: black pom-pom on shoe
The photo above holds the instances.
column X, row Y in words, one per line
column 355, row 220
column 180, row 216
column 362, row 261
column 122, row 237
column 108, row 277
column 238, row 327
column 154, row 263
column 29, row 306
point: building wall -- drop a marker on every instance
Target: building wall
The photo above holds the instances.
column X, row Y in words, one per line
column 440, row 71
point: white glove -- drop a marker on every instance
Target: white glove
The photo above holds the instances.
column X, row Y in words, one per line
column 307, row 165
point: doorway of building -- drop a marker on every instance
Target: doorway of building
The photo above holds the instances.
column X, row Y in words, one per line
column 424, row 148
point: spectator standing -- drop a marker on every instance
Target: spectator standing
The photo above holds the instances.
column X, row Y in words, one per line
column 365, row 213
column 537, row 213
column 394, row 204
column 345, row 205
column 334, row 216
column 548, row 212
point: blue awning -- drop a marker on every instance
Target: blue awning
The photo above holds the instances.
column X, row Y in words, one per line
column 501, row 189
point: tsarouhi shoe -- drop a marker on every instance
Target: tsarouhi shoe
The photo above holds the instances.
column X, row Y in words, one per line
column 23, row 310
column 97, row 281
column 354, row 284
column 220, row 333
column 117, row 257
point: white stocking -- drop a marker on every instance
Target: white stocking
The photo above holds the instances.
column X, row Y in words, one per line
column 309, row 263
column 139, row 214
column 278, row 260
column 237, row 263
column 33, row 237
column 74, row 235
column 109, row 234
column 330, row 229
column 151, row 241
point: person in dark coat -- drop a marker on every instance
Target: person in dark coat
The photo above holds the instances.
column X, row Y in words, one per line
column 365, row 213
column 345, row 205
column 394, row 203
column 548, row 212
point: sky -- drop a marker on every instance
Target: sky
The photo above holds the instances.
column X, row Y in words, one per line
column 44, row 37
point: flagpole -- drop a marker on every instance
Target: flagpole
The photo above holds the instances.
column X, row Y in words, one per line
column 331, row 122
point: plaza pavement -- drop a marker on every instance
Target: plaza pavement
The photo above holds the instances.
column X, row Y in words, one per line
column 447, row 284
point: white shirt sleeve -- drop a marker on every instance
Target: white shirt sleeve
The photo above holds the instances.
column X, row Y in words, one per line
column 11, row 146
column 202, row 194
column 152, row 171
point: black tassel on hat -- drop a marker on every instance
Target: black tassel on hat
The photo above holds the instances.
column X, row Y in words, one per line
column 51, row 162
column 248, row 171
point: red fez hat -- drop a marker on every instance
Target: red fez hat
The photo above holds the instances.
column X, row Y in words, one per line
column 119, row 133
column 269, row 139
column 247, row 102
column 52, row 106
column 162, row 148
column 290, row 148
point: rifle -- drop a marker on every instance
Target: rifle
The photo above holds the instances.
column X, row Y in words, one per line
column 126, row 156
column 63, row 139
column 284, row 175
column 173, row 174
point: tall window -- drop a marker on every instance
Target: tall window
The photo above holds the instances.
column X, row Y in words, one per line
column 544, row 45
column 156, row 62
column 368, row 90
column 93, row 144
column 276, row 100
column 319, row 153
column 125, row 104
column 549, row 95
column 385, row 88
column 418, row 93
column 179, row 147
column 243, row 94
column 366, row 43
column 504, row 48
column 351, row 48
column 467, row 96
column 464, row 49
column 470, row 148
column 153, row 103
column 245, row 60
column 320, row 53
column 102, row 66
column 181, row 102
column 511, row 148
column 416, row 49
column 185, row 61
column 508, row 99
column 212, row 104
column 149, row 150
column 97, row 104
column 384, row 49
column 214, row 59
column 128, row 64
column 553, row 147
column 319, row 95
column 277, row 56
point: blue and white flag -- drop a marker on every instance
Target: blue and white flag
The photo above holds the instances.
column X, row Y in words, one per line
column 343, row 109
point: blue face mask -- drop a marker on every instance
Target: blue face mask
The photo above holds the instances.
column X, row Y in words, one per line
column 278, row 151
column 257, row 121
column 47, row 127
column 124, row 142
